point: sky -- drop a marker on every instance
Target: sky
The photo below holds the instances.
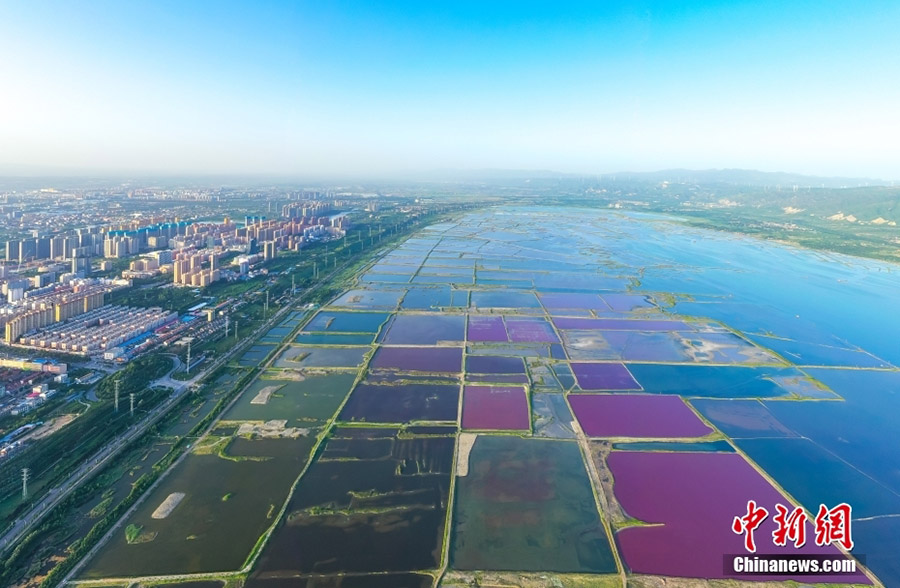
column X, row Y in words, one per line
column 392, row 88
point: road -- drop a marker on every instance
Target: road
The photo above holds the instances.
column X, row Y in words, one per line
column 56, row 495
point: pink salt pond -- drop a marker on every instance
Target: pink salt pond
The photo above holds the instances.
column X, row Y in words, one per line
column 495, row 408
column 690, row 500
column 604, row 376
column 633, row 415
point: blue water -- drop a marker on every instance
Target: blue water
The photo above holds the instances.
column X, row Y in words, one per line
column 823, row 429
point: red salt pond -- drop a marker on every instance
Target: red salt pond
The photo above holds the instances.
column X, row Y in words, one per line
column 692, row 499
column 604, row 376
column 632, row 415
column 495, row 408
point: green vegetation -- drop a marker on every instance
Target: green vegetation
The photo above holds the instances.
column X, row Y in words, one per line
column 135, row 376
column 156, row 292
column 860, row 221
column 100, row 510
column 873, row 241
column 132, row 532
column 53, row 458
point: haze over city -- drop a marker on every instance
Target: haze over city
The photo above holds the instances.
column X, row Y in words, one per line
column 348, row 88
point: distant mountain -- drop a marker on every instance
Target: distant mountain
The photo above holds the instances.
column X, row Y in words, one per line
column 747, row 177
column 30, row 177
column 708, row 177
column 487, row 175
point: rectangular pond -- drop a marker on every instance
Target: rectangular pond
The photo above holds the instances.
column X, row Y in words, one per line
column 604, row 376
column 402, row 403
column 636, row 415
column 527, row 505
column 495, row 408
column 688, row 501
column 350, row 516
column 419, row 359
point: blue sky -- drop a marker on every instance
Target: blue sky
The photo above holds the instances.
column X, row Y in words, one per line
column 332, row 88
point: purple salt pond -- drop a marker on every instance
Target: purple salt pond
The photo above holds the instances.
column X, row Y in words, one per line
column 535, row 330
column 419, row 359
column 573, row 300
column 621, row 324
column 495, row 407
column 425, row 329
column 691, row 499
column 633, row 415
column 402, row 404
column 491, row 364
column 604, row 376
column 627, row 302
column 487, row 329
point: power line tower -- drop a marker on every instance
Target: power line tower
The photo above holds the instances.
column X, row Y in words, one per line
column 235, row 330
column 116, row 402
column 267, row 303
column 226, row 325
column 25, row 473
column 131, row 396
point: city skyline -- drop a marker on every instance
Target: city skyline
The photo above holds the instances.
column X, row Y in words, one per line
column 298, row 89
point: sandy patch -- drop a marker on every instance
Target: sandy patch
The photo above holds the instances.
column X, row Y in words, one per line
column 166, row 507
column 262, row 397
column 276, row 429
column 466, row 441
column 289, row 374
column 53, row 426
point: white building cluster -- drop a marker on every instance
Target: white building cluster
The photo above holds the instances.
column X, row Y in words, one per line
column 100, row 329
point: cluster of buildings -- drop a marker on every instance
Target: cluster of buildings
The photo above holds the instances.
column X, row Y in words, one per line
column 101, row 330
column 58, row 303
column 196, row 268
column 51, row 302
column 153, row 237
column 49, row 366
column 39, row 395
column 85, row 242
column 24, row 385
column 193, row 256
column 306, row 209
column 130, row 241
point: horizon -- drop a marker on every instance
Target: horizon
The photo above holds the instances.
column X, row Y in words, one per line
column 489, row 176
column 347, row 91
